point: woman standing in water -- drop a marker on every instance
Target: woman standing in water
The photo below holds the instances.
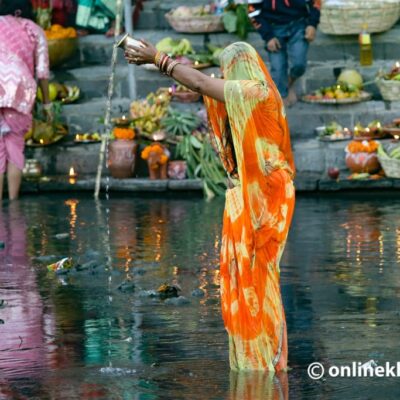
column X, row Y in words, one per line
column 23, row 53
column 251, row 135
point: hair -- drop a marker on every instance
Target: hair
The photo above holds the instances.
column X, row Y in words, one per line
column 22, row 8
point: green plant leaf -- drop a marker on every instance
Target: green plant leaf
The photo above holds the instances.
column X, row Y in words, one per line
column 243, row 22
column 230, row 20
column 195, row 142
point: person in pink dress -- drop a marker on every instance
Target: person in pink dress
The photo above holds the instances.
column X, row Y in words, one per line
column 23, row 59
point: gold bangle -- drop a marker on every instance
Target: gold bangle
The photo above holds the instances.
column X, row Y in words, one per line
column 158, row 57
column 171, row 67
column 164, row 64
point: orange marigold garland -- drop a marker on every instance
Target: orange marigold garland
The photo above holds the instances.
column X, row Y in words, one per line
column 124, row 133
column 155, row 148
column 363, row 147
column 59, row 32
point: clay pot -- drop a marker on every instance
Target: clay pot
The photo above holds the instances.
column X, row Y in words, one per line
column 362, row 162
column 177, row 170
column 61, row 50
column 122, row 158
column 156, row 171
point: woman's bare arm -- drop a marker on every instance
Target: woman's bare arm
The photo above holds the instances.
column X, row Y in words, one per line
column 187, row 76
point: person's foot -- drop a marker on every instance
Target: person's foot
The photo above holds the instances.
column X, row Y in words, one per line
column 291, row 98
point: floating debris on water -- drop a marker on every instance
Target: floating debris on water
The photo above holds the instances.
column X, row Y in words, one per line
column 166, row 291
column 61, row 267
column 127, row 285
column 117, row 371
column 2, row 303
column 62, row 236
column 198, row 292
column 2, row 245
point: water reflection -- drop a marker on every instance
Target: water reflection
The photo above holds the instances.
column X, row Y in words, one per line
column 84, row 338
column 26, row 324
column 258, row 385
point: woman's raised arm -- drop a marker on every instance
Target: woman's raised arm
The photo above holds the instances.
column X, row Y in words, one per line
column 190, row 77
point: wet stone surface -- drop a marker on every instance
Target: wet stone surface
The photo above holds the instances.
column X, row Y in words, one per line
column 77, row 336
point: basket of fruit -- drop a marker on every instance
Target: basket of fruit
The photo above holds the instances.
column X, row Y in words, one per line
column 374, row 130
column 199, row 19
column 347, row 90
column 337, row 94
column 333, row 132
column 44, row 133
column 59, row 92
column 62, row 43
column 393, row 129
column 389, row 84
column 94, row 137
column 347, row 17
column 390, row 161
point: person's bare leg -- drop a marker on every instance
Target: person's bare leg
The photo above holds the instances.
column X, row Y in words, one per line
column 1, row 186
column 14, row 177
column 291, row 99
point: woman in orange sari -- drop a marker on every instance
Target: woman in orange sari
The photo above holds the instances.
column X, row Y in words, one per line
column 251, row 135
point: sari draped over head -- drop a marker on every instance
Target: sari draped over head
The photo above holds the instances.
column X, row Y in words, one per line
column 251, row 135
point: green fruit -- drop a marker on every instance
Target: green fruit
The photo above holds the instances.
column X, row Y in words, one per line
column 166, row 45
column 351, row 77
column 53, row 92
column 397, row 77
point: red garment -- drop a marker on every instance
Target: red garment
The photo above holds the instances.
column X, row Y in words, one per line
column 62, row 9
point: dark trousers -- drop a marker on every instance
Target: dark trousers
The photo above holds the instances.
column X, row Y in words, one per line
column 291, row 59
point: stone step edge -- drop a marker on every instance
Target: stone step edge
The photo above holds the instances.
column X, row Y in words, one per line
column 303, row 183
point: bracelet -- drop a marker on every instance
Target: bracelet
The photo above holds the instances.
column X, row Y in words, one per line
column 160, row 59
column 48, row 106
column 157, row 57
column 164, row 64
column 171, row 67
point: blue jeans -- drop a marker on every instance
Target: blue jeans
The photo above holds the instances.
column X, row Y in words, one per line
column 293, row 54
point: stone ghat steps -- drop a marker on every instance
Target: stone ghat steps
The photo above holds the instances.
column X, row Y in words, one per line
column 93, row 80
column 312, row 157
column 303, row 183
column 303, row 118
column 97, row 49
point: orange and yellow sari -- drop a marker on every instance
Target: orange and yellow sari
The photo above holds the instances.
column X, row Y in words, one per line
column 251, row 135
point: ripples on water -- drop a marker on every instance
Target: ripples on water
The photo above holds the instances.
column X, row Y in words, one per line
column 79, row 337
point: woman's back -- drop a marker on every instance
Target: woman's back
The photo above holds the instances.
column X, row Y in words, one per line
column 23, row 54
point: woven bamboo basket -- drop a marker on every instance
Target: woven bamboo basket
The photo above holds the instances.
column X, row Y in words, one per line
column 390, row 89
column 390, row 166
column 200, row 24
column 347, row 17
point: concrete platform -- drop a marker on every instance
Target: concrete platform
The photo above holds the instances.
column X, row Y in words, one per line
column 87, row 184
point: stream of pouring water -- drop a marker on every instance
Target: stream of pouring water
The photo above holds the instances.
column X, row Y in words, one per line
column 107, row 125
